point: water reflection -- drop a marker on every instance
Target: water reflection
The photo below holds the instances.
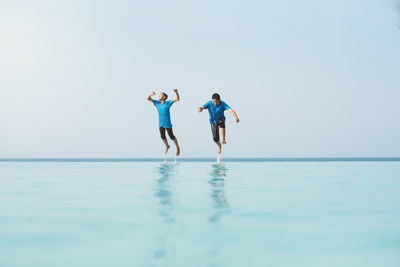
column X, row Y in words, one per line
column 220, row 207
column 218, row 196
column 164, row 192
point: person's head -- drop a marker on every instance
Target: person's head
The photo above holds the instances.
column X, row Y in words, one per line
column 162, row 97
column 216, row 99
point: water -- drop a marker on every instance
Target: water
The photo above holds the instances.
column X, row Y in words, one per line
column 200, row 214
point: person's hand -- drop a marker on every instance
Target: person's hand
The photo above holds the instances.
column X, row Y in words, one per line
column 199, row 109
column 237, row 120
column 176, row 90
column 152, row 93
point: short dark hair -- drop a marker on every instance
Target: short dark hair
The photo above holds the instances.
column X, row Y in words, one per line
column 216, row 96
column 166, row 96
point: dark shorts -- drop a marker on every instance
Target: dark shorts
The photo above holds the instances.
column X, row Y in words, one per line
column 221, row 122
column 169, row 131
column 215, row 128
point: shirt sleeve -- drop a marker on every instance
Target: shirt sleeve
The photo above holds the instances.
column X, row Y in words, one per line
column 156, row 102
column 226, row 107
column 206, row 105
column 170, row 102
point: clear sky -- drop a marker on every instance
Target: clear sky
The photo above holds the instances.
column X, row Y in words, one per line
column 306, row 78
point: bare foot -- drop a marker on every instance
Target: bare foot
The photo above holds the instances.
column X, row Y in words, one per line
column 219, row 149
column 166, row 149
column 178, row 150
column 224, row 142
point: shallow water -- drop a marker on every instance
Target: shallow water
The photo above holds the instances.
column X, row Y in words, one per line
column 200, row 214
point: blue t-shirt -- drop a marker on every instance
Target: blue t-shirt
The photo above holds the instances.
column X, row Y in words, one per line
column 216, row 112
column 164, row 118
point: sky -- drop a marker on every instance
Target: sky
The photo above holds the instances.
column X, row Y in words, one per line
column 307, row 78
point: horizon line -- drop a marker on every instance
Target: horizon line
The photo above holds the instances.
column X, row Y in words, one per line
column 203, row 159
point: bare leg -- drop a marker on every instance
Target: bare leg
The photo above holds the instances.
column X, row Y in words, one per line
column 178, row 150
column 166, row 146
column 223, row 135
column 219, row 147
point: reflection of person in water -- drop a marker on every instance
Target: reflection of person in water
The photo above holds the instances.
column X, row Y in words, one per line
column 220, row 207
column 165, row 194
column 217, row 182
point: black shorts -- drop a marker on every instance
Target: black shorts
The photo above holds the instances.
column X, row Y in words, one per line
column 169, row 131
column 215, row 128
column 221, row 122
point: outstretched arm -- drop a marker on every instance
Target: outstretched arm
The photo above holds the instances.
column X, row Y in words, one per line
column 150, row 95
column 233, row 114
column 200, row 109
column 177, row 96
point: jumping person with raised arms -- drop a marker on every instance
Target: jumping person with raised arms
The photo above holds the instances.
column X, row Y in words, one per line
column 216, row 109
column 163, row 105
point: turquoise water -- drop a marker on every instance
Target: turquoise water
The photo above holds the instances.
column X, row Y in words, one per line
column 200, row 214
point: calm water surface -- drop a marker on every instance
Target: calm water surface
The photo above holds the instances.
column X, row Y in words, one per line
column 200, row 214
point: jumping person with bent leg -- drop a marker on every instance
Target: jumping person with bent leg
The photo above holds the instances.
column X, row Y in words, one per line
column 216, row 109
column 164, row 118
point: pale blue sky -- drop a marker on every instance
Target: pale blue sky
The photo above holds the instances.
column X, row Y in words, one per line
column 307, row 78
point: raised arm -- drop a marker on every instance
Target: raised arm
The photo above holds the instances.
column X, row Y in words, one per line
column 177, row 96
column 233, row 114
column 150, row 95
